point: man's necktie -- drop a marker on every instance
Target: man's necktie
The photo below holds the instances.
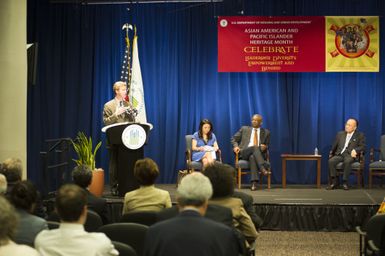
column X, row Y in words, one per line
column 255, row 137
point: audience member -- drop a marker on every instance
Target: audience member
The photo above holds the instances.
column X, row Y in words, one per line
column 222, row 180
column 23, row 197
column 71, row 238
column 8, row 224
column 12, row 168
column 82, row 176
column 189, row 233
column 247, row 201
column 147, row 197
column 3, row 184
column 217, row 213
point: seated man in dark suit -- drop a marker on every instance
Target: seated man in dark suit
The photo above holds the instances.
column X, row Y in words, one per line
column 252, row 142
column 23, row 197
column 82, row 176
column 189, row 233
column 346, row 148
column 217, row 213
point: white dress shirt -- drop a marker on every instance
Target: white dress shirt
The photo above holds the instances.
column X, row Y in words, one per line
column 71, row 239
column 251, row 142
column 17, row 250
column 348, row 137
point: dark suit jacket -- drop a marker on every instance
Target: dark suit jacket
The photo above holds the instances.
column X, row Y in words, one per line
column 357, row 142
column 98, row 205
column 190, row 234
column 28, row 227
column 241, row 138
column 214, row 212
column 39, row 210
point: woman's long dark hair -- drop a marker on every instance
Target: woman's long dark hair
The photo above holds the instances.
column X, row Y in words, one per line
column 209, row 134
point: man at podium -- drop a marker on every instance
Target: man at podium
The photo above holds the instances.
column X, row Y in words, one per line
column 117, row 110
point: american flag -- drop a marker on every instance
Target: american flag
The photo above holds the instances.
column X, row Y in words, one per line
column 125, row 73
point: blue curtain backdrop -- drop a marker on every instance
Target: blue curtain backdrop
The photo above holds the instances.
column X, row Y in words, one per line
column 80, row 51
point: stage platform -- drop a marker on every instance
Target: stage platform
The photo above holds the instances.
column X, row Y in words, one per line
column 298, row 207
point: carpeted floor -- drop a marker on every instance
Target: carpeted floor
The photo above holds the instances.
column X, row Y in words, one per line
column 277, row 243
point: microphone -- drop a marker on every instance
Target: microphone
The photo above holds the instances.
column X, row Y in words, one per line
column 130, row 110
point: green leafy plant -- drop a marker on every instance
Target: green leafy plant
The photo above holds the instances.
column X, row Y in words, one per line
column 84, row 149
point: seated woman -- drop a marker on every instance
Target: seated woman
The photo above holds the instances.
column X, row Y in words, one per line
column 147, row 197
column 204, row 143
column 23, row 196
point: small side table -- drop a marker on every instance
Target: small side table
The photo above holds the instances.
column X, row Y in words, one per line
column 287, row 157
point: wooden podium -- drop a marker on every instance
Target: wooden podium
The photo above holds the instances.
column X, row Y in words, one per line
column 126, row 144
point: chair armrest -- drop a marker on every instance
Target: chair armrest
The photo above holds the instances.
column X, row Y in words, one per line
column 219, row 155
column 188, row 157
column 372, row 246
column 361, row 157
column 360, row 232
column 267, row 155
column 236, row 158
column 372, row 152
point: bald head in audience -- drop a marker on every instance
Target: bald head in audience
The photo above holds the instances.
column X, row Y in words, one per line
column 3, row 184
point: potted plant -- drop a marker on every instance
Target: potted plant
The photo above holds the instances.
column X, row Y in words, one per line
column 86, row 156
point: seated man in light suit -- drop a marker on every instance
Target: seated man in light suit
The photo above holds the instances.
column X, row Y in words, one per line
column 346, row 148
column 252, row 142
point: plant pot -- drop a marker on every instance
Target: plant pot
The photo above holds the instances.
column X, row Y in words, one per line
column 97, row 183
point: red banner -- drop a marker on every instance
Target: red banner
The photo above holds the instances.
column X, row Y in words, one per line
column 271, row 44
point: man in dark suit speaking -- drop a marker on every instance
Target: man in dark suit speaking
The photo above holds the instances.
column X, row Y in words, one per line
column 190, row 233
column 346, row 148
column 252, row 142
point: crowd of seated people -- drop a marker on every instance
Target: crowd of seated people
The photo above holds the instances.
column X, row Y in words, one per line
column 197, row 207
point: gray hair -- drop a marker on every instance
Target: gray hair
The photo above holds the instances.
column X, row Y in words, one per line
column 3, row 184
column 194, row 190
column 8, row 221
column 12, row 168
